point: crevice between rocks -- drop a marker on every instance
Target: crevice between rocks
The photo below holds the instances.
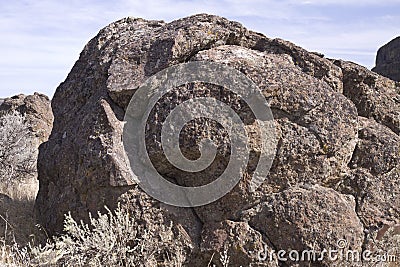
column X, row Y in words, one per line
column 296, row 119
column 269, row 241
column 199, row 221
column 366, row 229
column 229, row 40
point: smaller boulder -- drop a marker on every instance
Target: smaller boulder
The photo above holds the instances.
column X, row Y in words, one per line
column 37, row 110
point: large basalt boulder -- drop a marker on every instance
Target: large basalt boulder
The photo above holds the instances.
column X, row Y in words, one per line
column 320, row 147
column 388, row 60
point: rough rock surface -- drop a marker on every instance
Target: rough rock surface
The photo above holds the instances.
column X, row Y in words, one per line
column 37, row 110
column 375, row 96
column 309, row 217
column 388, row 60
column 327, row 115
column 373, row 180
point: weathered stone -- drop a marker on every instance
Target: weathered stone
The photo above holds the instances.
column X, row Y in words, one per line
column 377, row 149
column 316, row 106
column 309, row 218
column 374, row 181
column 37, row 110
column 310, row 63
column 238, row 240
column 375, row 96
column 388, row 60
column 310, row 148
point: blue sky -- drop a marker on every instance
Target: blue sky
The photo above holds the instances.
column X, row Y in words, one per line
column 41, row 40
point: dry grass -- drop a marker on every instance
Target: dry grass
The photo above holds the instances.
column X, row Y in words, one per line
column 17, row 224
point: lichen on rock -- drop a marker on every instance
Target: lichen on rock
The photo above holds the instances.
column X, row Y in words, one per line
column 335, row 168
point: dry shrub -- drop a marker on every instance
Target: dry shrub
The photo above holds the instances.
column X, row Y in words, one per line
column 18, row 179
column 18, row 152
column 112, row 239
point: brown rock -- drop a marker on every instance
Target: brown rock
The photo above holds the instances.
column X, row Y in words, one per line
column 37, row 110
column 315, row 104
column 238, row 240
column 377, row 149
column 310, row 63
column 310, row 149
column 375, row 96
column 374, row 182
column 309, row 218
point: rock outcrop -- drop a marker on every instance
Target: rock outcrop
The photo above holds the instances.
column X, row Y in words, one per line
column 37, row 110
column 388, row 60
column 336, row 167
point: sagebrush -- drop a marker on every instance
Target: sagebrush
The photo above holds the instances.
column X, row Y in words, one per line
column 111, row 239
column 18, row 154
